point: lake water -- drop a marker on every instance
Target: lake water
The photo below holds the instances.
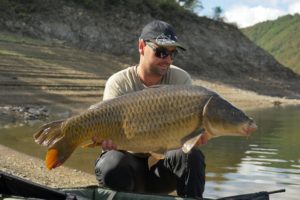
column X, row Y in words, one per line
column 268, row 160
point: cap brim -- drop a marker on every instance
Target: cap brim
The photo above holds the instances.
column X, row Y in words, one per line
column 169, row 43
column 173, row 44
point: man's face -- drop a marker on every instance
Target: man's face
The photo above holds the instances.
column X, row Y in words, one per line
column 158, row 58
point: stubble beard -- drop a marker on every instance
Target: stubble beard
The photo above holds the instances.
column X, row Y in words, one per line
column 155, row 70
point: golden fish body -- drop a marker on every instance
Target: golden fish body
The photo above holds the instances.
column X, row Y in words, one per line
column 152, row 120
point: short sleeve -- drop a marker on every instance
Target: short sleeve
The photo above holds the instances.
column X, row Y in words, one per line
column 179, row 76
column 112, row 88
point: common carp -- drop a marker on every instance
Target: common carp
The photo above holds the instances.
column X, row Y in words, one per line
column 151, row 120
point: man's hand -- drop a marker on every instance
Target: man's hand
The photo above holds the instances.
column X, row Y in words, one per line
column 203, row 139
column 108, row 145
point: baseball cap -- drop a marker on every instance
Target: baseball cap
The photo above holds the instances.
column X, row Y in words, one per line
column 162, row 33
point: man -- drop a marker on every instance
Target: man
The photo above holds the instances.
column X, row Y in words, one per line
column 125, row 171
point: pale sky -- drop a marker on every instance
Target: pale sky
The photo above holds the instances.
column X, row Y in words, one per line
column 249, row 12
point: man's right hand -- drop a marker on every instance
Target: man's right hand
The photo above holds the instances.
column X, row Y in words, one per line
column 108, row 145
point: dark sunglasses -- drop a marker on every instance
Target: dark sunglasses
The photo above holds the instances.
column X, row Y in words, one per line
column 161, row 52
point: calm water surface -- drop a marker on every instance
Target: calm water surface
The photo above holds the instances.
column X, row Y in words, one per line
column 268, row 160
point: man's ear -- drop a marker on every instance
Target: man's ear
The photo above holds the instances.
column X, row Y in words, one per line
column 142, row 45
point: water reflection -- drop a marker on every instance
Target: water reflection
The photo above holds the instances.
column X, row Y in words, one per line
column 268, row 160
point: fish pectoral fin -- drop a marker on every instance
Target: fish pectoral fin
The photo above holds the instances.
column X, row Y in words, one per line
column 154, row 158
column 93, row 143
column 157, row 156
column 90, row 145
column 191, row 140
column 188, row 145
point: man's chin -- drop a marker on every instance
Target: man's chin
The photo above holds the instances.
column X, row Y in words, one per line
column 160, row 70
column 163, row 70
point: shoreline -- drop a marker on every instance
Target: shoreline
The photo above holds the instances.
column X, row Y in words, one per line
column 245, row 99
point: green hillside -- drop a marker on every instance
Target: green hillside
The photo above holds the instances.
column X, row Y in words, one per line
column 280, row 38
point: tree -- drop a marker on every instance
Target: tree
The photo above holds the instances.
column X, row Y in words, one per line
column 217, row 13
column 191, row 5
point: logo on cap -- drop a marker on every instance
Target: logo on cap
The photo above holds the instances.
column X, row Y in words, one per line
column 165, row 39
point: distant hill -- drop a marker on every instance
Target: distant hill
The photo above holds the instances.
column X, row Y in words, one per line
column 216, row 51
column 281, row 38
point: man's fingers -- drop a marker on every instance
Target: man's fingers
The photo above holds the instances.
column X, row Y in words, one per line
column 202, row 140
column 104, row 144
column 108, row 145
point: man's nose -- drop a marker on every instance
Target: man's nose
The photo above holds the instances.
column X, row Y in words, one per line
column 169, row 59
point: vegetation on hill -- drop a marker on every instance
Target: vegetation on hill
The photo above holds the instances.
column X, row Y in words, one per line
column 24, row 8
column 279, row 37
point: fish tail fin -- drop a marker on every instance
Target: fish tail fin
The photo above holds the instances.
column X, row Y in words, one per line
column 59, row 153
column 52, row 136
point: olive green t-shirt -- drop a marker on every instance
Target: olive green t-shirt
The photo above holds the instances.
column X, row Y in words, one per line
column 127, row 80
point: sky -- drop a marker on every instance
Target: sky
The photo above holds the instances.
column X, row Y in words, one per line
column 249, row 12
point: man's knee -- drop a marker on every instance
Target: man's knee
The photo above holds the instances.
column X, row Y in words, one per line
column 193, row 181
column 177, row 161
column 113, row 170
column 196, row 156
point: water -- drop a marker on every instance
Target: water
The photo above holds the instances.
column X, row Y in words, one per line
column 268, row 160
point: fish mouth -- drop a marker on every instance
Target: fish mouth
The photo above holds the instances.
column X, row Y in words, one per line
column 251, row 127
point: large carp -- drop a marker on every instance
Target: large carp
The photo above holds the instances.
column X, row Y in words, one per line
column 151, row 120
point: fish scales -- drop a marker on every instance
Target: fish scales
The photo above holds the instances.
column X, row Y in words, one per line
column 151, row 120
column 145, row 117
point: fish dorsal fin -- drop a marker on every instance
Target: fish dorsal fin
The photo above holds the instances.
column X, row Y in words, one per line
column 157, row 156
column 191, row 140
column 49, row 133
